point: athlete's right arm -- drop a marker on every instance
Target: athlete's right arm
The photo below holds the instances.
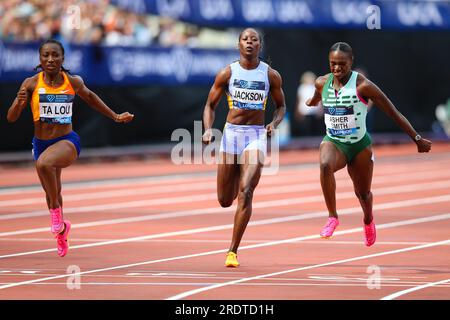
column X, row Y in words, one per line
column 317, row 97
column 94, row 101
column 214, row 96
column 21, row 101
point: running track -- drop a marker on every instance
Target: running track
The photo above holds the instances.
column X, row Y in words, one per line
column 153, row 230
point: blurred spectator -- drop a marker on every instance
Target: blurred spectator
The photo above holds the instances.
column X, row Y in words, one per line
column 309, row 118
column 99, row 22
column 443, row 115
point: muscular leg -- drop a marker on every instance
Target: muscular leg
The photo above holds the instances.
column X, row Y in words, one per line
column 227, row 179
column 361, row 170
column 331, row 160
column 59, row 186
column 250, row 174
column 47, row 198
column 58, row 182
column 49, row 165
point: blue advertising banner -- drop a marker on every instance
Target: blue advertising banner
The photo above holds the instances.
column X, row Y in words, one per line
column 121, row 65
column 389, row 14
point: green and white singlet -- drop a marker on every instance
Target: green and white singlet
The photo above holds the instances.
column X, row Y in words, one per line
column 344, row 111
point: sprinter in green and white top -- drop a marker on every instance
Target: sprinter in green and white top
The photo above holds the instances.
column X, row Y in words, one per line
column 344, row 112
column 344, row 95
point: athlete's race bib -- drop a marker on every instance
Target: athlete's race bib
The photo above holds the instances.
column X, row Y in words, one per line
column 56, row 108
column 248, row 94
column 340, row 121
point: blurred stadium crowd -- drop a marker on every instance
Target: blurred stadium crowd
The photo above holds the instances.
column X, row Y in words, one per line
column 101, row 23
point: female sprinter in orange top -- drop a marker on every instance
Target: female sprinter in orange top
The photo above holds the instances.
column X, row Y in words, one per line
column 247, row 83
column 55, row 145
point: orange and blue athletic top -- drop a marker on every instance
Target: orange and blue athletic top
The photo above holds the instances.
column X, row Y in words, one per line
column 248, row 89
column 52, row 105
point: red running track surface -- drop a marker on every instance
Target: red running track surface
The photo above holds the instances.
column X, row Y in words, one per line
column 154, row 230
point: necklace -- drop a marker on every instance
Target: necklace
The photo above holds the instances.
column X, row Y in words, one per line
column 52, row 82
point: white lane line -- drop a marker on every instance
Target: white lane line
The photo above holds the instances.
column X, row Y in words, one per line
column 205, row 197
column 256, row 205
column 358, row 243
column 203, row 284
column 176, row 179
column 273, row 243
column 188, row 177
column 113, row 193
column 401, row 293
column 137, row 273
column 197, row 291
column 131, row 190
column 302, row 186
column 388, row 205
column 110, row 183
column 126, row 277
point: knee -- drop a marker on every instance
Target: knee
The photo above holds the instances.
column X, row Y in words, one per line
column 364, row 196
column 43, row 165
column 246, row 194
column 225, row 202
column 326, row 168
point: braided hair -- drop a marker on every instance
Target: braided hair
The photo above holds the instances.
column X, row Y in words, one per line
column 39, row 66
column 342, row 46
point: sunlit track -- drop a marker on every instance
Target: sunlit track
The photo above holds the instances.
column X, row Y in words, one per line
column 292, row 180
column 348, row 231
column 192, row 292
column 229, row 226
column 390, row 165
column 174, row 184
column 258, row 204
column 168, row 225
column 288, row 185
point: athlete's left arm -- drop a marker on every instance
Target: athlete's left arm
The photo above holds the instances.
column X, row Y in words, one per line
column 276, row 91
column 95, row 102
column 368, row 89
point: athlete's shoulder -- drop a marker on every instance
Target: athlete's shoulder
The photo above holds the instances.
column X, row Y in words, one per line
column 321, row 80
column 74, row 77
column 223, row 75
column 274, row 75
column 33, row 77
column 227, row 69
column 273, row 71
column 264, row 64
column 361, row 79
column 30, row 82
column 363, row 83
column 367, row 88
column 75, row 80
column 234, row 63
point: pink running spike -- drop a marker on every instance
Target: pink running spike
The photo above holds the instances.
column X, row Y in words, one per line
column 370, row 233
column 329, row 228
column 61, row 240
column 57, row 220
